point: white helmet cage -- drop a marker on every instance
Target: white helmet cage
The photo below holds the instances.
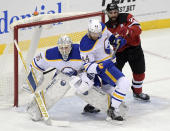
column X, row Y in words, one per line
column 94, row 26
column 65, row 46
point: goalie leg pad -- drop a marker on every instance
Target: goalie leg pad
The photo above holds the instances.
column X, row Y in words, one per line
column 34, row 111
column 101, row 100
column 57, row 88
column 96, row 97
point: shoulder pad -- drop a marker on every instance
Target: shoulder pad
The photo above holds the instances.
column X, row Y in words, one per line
column 75, row 52
column 52, row 54
column 86, row 44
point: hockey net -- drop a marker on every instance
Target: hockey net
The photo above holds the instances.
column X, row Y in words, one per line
column 33, row 35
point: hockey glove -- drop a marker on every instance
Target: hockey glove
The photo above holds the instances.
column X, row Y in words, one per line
column 119, row 40
column 124, row 31
column 85, row 84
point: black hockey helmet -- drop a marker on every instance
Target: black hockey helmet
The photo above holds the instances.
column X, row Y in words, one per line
column 112, row 6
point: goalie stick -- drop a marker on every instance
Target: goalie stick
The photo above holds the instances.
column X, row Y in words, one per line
column 31, row 80
column 46, row 72
column 32, row 86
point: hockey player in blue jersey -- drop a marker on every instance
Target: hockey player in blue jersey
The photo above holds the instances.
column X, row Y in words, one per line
column 96, row 52
column 65, row 58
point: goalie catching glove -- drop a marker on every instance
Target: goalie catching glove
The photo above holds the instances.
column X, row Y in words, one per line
column 114, row 42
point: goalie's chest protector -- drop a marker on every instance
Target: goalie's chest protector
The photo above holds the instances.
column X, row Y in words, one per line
column 54, row 58
column 100, row 48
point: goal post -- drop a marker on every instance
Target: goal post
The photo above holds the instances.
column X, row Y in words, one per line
column 39, row 21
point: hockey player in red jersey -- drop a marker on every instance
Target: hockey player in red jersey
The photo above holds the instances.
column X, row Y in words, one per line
column 125, row 25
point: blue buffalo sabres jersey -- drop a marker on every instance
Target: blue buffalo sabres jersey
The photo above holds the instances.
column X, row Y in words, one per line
column 52, row 58
column 96, row 50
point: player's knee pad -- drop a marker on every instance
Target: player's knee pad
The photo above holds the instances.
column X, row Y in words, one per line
column 96, row 97
column 123, row 85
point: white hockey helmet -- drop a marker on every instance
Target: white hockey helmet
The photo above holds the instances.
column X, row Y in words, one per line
column 65, row 46
column 94, row 27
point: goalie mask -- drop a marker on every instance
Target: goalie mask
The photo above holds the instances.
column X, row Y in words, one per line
column 65, row 46
column 94, row 29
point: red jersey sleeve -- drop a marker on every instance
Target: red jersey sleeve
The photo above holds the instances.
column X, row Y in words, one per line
column 133, row 27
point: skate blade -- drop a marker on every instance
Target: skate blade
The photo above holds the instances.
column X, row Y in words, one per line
column 140, row 100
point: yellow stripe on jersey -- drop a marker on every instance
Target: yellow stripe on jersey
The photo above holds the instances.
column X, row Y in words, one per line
column 62, row 60
column 109, row 101
column 118, row 96
column 104, row 29
column 75, row 60
column 85, row 66
column 35, row 66
column 98, row 61
column 111, row 76
column 52, row 60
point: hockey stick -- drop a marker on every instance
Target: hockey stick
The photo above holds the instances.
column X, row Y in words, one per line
column 117, row 47
column 31, row 85
column 48, row 71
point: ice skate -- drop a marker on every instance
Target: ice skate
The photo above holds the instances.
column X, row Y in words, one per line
column 90, row 109
column 141, row 96
column 113, row 114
